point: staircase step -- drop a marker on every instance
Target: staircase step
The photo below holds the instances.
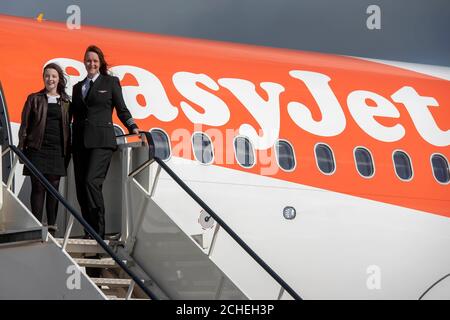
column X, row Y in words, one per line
column 24, row 235
column 80, row 241
column 111, row 282
column 118, row 298
column 82, row 245
column 97, row 263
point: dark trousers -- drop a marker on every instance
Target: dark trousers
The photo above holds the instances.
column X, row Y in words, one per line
column 91, row 166
column 38, row 195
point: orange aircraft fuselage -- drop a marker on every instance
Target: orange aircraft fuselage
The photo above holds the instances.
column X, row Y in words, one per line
column 304, row 98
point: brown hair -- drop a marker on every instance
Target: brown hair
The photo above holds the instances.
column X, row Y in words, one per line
column 61, row 87
column 103, row 64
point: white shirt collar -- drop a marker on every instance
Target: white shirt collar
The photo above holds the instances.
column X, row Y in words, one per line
column 93, row 79
column 52, row 99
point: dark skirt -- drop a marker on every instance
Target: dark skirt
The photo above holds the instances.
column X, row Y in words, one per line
column 46, row 161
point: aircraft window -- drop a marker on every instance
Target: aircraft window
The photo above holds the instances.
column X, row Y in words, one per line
column 203, row 149
column 440, row 168
column 403, row 166
column 325, row 159
column 364, row 162
column 162, row 145
column 118, row 132
column 244, row 152
column 285, row 155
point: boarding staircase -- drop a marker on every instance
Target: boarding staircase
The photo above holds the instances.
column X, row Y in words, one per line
column 104, row 271
column 155, row 255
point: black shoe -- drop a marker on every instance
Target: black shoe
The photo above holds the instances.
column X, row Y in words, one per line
column 115, row 236
column 52, row 230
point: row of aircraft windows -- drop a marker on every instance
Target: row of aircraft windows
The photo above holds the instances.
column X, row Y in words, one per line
column 284, row 152
column 366, row 168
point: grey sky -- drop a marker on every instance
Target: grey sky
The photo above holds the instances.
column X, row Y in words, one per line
column 411, row 30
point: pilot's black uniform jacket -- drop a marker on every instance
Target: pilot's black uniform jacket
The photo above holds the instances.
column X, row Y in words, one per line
column 92, row 117
column 93, row 142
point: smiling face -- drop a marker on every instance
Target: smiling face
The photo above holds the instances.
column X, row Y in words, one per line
column 91, row 63
column 51, row 79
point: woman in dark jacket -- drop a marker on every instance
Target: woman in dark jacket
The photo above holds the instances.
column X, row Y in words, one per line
column 44, row 136
column 94, row 141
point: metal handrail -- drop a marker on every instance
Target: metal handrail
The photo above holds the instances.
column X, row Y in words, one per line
column 205, row 207
column 81, row 220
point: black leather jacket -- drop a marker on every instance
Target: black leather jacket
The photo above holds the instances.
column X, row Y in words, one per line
column 34, row 117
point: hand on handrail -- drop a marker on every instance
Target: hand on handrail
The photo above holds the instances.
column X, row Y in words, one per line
column 127, row 135
column 143, row 137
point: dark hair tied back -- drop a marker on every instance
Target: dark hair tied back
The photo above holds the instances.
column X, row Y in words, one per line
column 103, row 64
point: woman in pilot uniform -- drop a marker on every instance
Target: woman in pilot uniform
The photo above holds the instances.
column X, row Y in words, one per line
column 93, row 141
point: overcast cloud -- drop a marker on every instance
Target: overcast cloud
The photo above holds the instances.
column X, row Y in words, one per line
column 411, row 30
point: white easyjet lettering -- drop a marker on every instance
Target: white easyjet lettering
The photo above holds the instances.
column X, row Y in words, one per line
column 364, row 115
column 333, row 118
column 157, row 102
column 266, row 113
column 417, row 107
column 216, row 112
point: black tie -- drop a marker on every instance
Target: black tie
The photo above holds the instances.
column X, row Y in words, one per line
column 91, row 83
